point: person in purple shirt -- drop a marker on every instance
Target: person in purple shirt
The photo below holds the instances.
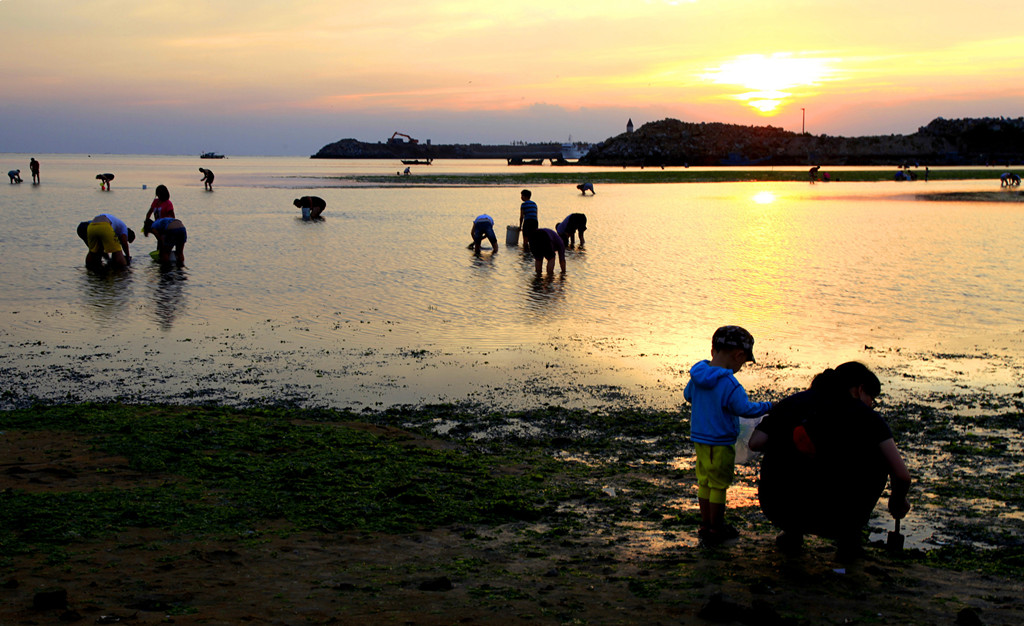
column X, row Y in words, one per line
column 545, row 244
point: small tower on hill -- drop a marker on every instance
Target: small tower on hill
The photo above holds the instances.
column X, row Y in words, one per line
column 629, row 125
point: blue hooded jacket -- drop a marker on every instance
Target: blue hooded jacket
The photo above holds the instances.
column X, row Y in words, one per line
column 718, row 400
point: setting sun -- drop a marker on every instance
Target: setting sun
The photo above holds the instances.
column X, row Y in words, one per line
column 772, row 79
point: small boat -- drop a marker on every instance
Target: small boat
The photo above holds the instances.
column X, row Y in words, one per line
column 211, row 155
column 416, row 161
column 521, row 161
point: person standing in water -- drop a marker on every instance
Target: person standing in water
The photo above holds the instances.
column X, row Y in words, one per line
column 33, row 166
column 527, row 217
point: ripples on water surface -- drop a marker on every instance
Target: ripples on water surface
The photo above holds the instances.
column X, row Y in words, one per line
column 382, row 302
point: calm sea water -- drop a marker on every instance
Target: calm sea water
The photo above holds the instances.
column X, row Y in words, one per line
column 381, row 303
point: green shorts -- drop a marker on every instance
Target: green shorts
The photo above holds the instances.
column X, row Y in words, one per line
column 715, row 467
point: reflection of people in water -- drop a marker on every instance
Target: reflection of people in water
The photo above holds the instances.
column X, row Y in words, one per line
column 207, row 178
column 105, row 180
column 567, row 229
column 15, row 176
column 483, row 226
column 585, row 187
column 170, row 235
column 33, row 166
column 545, row 244
column 312, row 206
column 107, row 234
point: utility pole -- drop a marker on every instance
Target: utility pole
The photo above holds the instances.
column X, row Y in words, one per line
column 803, row 121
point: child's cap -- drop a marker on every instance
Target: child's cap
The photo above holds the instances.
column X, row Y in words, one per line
column 734, row 337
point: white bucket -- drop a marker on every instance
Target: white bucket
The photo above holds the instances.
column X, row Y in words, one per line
column 511, row 235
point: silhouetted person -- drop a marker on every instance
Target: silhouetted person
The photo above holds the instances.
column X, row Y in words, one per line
column 105, row 180
column 33, row 166
column 15, row 176
column 207, row 178
column 312, row 206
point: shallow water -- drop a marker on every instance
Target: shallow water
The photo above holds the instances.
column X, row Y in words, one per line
column 382, row 303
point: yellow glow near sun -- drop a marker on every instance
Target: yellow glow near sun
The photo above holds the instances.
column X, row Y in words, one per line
column 771, row 79
column 764, row 197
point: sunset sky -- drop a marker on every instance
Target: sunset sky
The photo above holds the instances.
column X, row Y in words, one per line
column 286, row 77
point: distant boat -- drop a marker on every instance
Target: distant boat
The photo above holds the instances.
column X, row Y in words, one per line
column 572, row 150
column 211, row 155
column 417, row 161
column 522, row 161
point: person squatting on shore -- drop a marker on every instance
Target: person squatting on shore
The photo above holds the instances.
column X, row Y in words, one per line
column 827, row 456
column 718, row 401
column 106, row 234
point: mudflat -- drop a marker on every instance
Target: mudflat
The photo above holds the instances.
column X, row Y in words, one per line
column 442, row 515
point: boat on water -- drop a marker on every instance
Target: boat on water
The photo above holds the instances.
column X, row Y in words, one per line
column 417, row 161
column 211, row 155
column 522, row 161
column 574, row 151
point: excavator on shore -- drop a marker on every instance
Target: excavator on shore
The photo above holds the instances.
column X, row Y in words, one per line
column 398, row 134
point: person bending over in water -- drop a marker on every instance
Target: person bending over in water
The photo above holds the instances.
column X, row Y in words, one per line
column 483, row 226
column 312, row 206
column 170, row 235
column 567, row 229
column 827, row 456
column 207, row 178
column 545, row 244
column 15, row 176
column 105, row 180
column 107, row 234
column 585, row 187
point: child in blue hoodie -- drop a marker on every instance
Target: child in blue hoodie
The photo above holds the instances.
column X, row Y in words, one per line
column 719, row 400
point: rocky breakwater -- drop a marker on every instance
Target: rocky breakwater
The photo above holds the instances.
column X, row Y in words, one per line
column 941, row 142
column 355, row 149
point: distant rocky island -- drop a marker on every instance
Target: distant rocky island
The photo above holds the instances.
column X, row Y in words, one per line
column 670, row 142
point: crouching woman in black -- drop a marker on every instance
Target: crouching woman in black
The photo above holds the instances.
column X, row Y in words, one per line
column 827, row 456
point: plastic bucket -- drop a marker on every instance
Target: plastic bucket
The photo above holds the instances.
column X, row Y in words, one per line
column 305, row 213
column 511, row 235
